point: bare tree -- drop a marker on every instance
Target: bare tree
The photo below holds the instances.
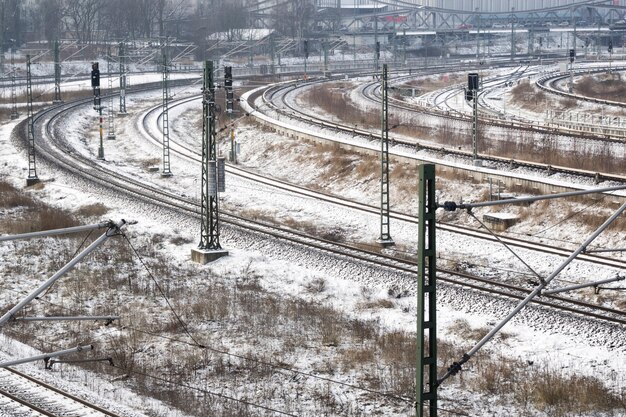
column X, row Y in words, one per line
column 47, row 19
column 82, row 18
column 294, row 18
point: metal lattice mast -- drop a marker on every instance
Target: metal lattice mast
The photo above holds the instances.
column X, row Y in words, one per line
column 512, row 34
column 272, row 55
column 404, row 48
column 110, row 115
column 376, row 44
column 426, row 370
column 2, row 6
column 14, row 113
column 209, row 235
column 57, row 73
column 122, row 63
column 166, row 172
column 32, row 166
column 385, row 237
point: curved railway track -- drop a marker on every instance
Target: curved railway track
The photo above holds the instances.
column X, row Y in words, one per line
column 26, row 395
column 58, row 152
column 466, row 280
column 186, row 152
column 277, row 93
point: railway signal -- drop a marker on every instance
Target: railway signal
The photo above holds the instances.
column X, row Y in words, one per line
column 95, row 84
column 228, row 87
column 471, row 94
column 57, row 73
column 32, row 166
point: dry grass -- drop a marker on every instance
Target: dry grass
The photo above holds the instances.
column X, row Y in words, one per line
column 334, row 99
column 463, row 329
column 529, row 96
column 151, row 162
column 31, row 216
column 47, row 96
column 92, row 210
column 606, row 87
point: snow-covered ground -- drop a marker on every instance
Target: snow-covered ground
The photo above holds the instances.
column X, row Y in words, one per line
column 535, row 336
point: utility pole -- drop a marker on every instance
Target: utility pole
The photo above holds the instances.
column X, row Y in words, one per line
column 121, row 51
column 110, row 116
column 512, row 33
column 426, row 296
column 14, row 113
column 404, row 48
column 97, row 103
column 272, row 55
column 572, row 58
column 166, row 172
column 2, row 26
column 610, row 49
column 57, row 73
column 209, row 248
column 376, row 44
column 477, row 35
column 385, row 237
column 325, row 51
column 32, row 166
column 306, row 56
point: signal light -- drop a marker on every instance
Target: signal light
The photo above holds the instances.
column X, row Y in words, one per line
column 228, row 76
column 572, row 55
column 306, row 49
column 377, row 50
column 95, row 75
column 472, row 81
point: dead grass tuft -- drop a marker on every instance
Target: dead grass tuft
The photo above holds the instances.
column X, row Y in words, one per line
column 92, row 210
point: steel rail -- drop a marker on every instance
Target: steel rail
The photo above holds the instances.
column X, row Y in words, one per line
column 269, row 93
column 147, row 193
column 57, row 391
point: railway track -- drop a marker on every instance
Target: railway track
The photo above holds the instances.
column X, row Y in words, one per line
column 24, row 395
column 270, row 95
column 58, row 152
column 193, row 155
column 471, row 281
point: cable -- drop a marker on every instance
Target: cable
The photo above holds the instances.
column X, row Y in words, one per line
column 161, row 291
column 506, row 246
column 204, row 391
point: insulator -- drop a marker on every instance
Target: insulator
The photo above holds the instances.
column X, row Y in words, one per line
column 221, row 174
column 212, row 181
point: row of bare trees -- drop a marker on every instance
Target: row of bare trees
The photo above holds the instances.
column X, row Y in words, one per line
column 90, row 20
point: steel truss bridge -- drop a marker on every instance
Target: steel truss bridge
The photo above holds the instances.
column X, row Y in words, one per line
column 397, row 15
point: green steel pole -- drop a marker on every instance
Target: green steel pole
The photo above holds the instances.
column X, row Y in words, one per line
column 426, row 370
